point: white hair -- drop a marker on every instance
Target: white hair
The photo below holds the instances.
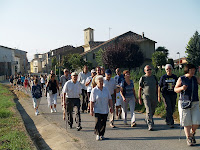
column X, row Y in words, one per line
column 98, row 77
column 168, row 65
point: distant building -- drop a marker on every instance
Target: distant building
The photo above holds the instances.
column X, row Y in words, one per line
column 183, row 61
column 12, row 61
column 147, row 46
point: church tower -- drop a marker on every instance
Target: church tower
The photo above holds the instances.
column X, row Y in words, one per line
column 88, row 37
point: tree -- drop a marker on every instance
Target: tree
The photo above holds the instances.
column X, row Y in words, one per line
column 193, row 50
column 76, row 61
column 124, row 55
column 158, row 59
column 99, row 59
column 171, row 61
column 53, row 62
column 163, row 49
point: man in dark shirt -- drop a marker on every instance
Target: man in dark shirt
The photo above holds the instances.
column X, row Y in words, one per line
column 166, row 86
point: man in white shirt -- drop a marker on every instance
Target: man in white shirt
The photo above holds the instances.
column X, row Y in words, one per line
column 72, row 90
column 110, row 84
column 82, row 76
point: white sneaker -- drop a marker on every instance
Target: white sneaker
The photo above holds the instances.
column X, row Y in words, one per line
column 98, row 138
column 51, row 110
column 102, row 138
column 36, row 113
column 55, row 110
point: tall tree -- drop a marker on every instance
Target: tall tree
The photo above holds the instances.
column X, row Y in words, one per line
column 163, row 49
column 171, row 61
column 158, row 59
column 125, row 55
column 193, row 50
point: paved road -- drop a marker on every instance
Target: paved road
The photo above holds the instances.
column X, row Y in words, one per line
column 122, row 137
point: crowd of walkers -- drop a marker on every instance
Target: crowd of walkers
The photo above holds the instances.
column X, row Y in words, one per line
column 97, row 93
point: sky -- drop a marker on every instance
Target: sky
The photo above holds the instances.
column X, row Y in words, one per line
column 38, row 26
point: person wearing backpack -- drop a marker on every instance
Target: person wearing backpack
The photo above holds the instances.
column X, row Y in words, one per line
column 36, row 92
column 128, row 95
column 148, row 88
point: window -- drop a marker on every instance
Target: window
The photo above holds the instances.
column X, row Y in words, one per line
column 35, row 63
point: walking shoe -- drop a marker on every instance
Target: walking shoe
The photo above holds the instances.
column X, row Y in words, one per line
column 133, row 124
column 150, row 128
column 79, row 128
column 193, row 138
column 70, row 126
column 51, row 110
column 112, row 126
column 98, row 138
column 36, row 113
column 55, row 110
column 102, row 137
column 189, row 141
column 125, row 123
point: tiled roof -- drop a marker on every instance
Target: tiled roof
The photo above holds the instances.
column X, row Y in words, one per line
column 130, row 36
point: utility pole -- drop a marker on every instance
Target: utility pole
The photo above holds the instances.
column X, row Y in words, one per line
column 109, row 32
column 179, row 62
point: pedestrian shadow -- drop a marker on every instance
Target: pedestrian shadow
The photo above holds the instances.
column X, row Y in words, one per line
column 31, row 128
column 149, row 138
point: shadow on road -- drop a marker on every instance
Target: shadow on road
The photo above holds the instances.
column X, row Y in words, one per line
column 31, row 128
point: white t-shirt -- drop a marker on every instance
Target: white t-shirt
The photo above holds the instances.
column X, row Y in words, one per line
column 72, row 90
column 118, row 99
column 82, row 78
column 89, row 87
column 110, row 85
column 42, row 80
column 100, row 99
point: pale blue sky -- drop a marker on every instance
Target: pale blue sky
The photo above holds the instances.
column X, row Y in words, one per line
column 42, row 25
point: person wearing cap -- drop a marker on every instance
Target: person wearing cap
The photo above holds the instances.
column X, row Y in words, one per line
column 88, row 84
column 63, row 79
column 98, row 72
column 100, row 101
column 82, row 76
column 72, row 91
column 119, row 77
column 110, row 84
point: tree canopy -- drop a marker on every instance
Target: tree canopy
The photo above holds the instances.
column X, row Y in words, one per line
column 193, row 50
column 124, row 55
column 163, row 49
column 159, row 59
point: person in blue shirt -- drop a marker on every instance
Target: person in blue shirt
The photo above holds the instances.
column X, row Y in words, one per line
column 119, row 77
column 36, row 95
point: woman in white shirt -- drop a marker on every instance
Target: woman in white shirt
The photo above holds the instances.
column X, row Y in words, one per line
column 100, row 99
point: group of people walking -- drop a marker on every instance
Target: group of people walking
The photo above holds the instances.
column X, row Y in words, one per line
column 102, row 96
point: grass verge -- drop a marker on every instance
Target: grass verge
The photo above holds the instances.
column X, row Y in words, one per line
column 13, row 134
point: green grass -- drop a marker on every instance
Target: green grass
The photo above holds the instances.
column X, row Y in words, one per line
column 12, row 134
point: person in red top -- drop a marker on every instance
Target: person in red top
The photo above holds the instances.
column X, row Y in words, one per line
column 26, row 84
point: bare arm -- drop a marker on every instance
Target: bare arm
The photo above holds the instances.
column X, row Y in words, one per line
column 111, row 105
column 87, row 83
column 121, row 92
column 139, row 95
column 159, row 99
column 178, row 88
column 91, row 108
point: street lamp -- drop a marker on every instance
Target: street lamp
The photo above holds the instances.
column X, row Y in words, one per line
column 179, row 61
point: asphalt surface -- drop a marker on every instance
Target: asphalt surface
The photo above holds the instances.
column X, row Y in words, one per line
column 122, row 137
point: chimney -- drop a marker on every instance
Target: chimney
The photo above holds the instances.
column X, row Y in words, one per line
column 142, row 34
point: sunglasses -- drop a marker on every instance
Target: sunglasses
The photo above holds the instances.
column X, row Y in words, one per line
column 149, row 69
column 169, row 69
